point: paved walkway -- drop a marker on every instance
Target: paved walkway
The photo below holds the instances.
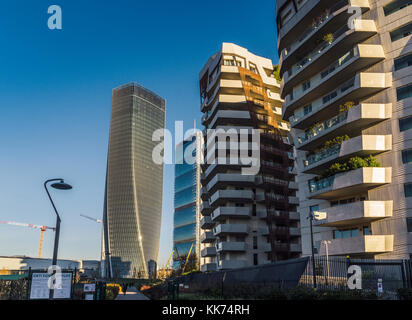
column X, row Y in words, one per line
column 132, row 294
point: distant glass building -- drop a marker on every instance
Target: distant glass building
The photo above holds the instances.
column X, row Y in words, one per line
column 134, row 183
column 187, row 202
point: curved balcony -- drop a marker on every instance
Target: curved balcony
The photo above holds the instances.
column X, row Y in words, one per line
column 361, row 146
column 222, row 213
column 205, row 209
column 231, row 264
column 354, row 120
column 235, row 179
column 230, row 246
column 207, row 267
column 370, row 244
column 224, row 229
column 326, row 52
column 206, row 223
column 340, row 70
column 207, row 237
column 355, row 213
column 231, row 195
column 325, row 23
column 349, row 183
column 208, row 252
column 360, row 86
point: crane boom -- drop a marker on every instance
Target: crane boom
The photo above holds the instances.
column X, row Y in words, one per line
column 34, row 226
column 187, row 258
column 91, row 218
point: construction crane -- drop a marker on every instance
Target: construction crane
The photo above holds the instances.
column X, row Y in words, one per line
column 91, row 218
column 187, row 258
column 34, row 226
column 168, row 260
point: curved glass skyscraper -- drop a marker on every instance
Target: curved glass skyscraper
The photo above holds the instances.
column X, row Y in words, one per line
column 134, row 183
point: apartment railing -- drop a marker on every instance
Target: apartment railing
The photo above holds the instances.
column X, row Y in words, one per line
column 324, row 154
column 317, row 51
column 317, row 22
column 325, row 100
column 317, row 185
column 316, row 130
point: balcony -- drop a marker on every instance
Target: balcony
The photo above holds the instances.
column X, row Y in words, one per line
column 231, row 195
column 208, row 267
column 325, row 23
column 300, row 26
column 223, row 116
column 231, row 246
column 224, row 179
column 349, row 183
column 205, row 209
column 363, row 245
column 361, row 146
column 294, row 232
column 222, row 213
column 360, row 86
column 355, row 213
column 203, row 193
column 208, row 252
column 231, row 264
column 207, row 237
column 206, row 223
column 340, row 70
column 354, row 120
column 223, row 229
column 327, row 51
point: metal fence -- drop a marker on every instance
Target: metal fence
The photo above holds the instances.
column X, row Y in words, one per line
column 16, row 284
column 332, row 273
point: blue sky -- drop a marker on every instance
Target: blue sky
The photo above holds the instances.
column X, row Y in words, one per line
column 55, row 99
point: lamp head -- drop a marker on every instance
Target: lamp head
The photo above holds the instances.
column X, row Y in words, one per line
column 61, row 185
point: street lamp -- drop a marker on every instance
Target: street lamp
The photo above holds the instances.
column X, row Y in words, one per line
column 59, row 185
column 310, row 217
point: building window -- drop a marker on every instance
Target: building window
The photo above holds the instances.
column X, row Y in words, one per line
column 407, row 156
column 255, row 259
column 348, row 233
column 404, row 92
column 255, row 243
column 409, row 224
column 405, row 123
column 306, row 85
column 407, row 187
column 307, row 109
column 403, row 62
column 229, row 62
column 401, row 32
column 396, row 5
column 367, row 231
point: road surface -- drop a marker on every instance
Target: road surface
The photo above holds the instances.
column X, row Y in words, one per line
column 131, row 294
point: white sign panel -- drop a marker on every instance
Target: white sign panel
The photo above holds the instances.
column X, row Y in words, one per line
column 66, row 287
column 40, row 286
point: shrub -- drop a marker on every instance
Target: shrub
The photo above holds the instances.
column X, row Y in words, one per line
column 303, row 293
column 328, row 37
column 276, row 73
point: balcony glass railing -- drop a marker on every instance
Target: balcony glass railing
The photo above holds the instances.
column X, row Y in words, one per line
column 316, row 24
column 324, row 154
column 320, row 103
column 321, row 184
column 317, row 51
column 315, row 131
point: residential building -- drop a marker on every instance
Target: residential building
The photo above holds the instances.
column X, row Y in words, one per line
column 186, row 233
column 248, row 219
column 134, row 182
column 346, row 69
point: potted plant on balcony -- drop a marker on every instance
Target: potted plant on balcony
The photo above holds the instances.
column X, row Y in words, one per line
column 328, row 37
column 346, row 106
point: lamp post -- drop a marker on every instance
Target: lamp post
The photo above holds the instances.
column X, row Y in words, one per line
column 326, row 242
column 310, row 217
column 59, row 185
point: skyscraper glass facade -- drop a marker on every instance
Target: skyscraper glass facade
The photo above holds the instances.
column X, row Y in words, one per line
column 134, row 183
column 184, row 235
